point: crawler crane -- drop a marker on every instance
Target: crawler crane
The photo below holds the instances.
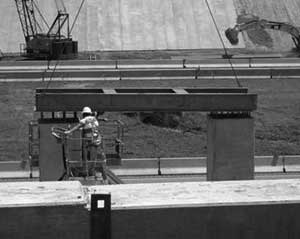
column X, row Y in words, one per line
column 53, row 43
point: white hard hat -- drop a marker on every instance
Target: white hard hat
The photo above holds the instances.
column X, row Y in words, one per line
column 86, row 110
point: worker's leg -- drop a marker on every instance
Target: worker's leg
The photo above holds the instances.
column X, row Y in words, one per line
column 102, row 159
column 86, row 155
column 92, row 159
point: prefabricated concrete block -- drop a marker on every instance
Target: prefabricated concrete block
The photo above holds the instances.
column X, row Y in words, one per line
column 43, row 210
column 212, row 210
column 230, row 147
column 51, row 163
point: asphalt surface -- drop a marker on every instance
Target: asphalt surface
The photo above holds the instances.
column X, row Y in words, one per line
column 251, row 68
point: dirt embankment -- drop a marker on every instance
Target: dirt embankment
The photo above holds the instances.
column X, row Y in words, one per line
column 273, row 10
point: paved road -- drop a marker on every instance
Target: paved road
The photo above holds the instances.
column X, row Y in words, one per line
column 156, row 69
column 217, row 62
column 171, row 169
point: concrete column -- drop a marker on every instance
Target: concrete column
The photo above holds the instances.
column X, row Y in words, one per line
column 230, row 146
column 50, row 155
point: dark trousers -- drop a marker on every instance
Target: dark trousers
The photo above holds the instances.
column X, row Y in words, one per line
column 92, row 152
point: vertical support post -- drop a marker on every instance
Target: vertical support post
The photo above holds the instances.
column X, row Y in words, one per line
column 100, row 216
column 230, row 146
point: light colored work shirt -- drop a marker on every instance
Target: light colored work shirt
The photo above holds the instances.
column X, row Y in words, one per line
column 90, row 129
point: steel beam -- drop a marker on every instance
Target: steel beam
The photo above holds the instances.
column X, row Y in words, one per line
column 158, row 99
column 145, row 90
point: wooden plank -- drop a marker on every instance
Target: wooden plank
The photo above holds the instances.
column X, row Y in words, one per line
column 32, row 194
column 146, row 102
column 204, row 194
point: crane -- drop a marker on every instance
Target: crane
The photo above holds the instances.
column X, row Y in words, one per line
column 255, row 22
column 49, row 44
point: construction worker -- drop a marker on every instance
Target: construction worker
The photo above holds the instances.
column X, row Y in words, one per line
column 91, row 139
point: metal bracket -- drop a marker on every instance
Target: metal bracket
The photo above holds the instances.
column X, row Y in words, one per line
column 100, row 216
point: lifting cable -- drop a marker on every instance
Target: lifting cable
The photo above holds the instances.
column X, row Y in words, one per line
column 58, row 60
column 41, row 15
column 223, row 44
column 75, row 19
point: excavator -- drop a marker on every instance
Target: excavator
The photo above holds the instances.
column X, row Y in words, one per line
column 255, row 22
column 51, row 44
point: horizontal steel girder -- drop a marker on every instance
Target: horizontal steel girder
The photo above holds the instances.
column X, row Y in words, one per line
column 146, row 99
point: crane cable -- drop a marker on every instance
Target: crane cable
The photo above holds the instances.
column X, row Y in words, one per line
column 75, row 19
column 223, row 44
column 58, row 60
column 41, row 15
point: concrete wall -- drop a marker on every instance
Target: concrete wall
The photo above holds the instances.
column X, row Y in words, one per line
column 44, row 222
column 51, row 153
column 234, row 222
column 130, row 24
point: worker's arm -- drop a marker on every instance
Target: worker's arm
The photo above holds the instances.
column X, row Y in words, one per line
column 103, row 119
column 78, row 126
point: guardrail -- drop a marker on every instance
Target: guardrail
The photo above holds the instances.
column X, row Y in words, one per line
column 165, row 166
column 247, row 61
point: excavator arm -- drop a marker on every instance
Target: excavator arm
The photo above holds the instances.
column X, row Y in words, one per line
column 232, row 33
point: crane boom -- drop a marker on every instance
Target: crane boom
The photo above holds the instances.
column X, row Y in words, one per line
column 232, row 33
column 60, row 6
column 57, row 26
column 27, row 18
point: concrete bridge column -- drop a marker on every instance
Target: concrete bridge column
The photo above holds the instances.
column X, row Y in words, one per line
column 230, row 145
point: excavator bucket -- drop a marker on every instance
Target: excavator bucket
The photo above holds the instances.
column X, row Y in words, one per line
column 232, row 36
